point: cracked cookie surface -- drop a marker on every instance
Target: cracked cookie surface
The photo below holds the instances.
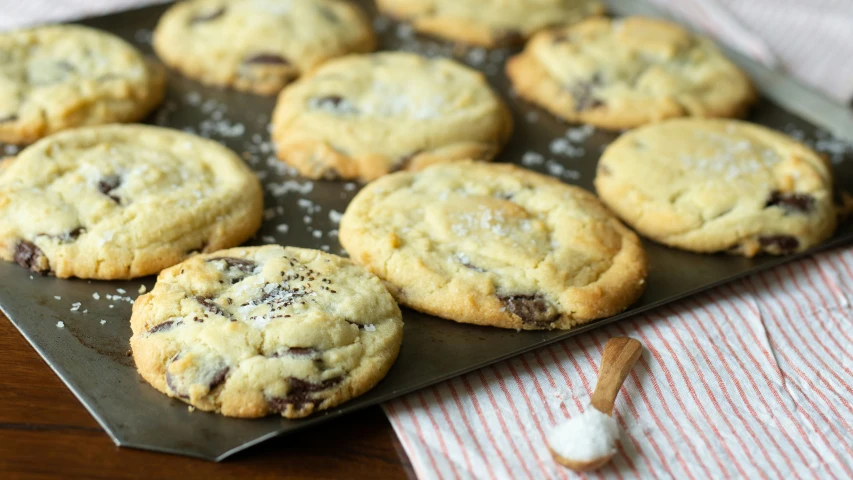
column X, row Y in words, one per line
column 258, row 45
column 486, row 22
column 362, row 116
column 58, row 77
column 495, row 244
column 248, row 332
column 123, row 201
column 718, row 185
column 622, row 73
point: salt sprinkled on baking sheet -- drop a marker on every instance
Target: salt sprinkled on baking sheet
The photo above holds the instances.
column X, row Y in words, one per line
column 279, row 189
column 60, row 324
column 531, row 159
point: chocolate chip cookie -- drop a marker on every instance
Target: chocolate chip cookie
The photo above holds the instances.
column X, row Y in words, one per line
column 622, row 73
column 488, row 23
column 123, row 201
column 249, row 332
column 362, row 116
column 258, row 45
column 59, row 77
column 495, row 244
column 718, row 185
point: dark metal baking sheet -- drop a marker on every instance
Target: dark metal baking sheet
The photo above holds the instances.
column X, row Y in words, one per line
column 90, row 352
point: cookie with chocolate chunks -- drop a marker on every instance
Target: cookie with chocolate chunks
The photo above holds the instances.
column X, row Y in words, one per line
column 258, row 46
column 272, row 330
column 495, row 244
column 123, row 201
column 362, row 116
column 623, row 73
column 59, row 77
column 719, row 185
column 507, row 23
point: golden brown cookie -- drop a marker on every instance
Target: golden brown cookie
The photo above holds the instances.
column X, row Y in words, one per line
column 495, row 244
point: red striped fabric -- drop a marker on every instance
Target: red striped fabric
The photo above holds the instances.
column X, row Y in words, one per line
column 811, row 39
column 751, row 380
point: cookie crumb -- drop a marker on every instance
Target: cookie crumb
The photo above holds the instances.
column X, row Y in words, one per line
column 142, row 289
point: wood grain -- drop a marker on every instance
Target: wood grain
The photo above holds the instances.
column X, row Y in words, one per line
column 620, row 355
column 46, row 433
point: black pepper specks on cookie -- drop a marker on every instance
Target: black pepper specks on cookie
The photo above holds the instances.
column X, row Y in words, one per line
column 277, row 336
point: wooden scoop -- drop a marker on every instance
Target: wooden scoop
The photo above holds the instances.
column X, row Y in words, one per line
column 620, row 355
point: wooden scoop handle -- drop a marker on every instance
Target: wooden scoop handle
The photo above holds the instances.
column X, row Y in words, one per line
column 620, row 355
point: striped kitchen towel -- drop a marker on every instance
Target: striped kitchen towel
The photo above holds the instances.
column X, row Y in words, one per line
column 751, row 380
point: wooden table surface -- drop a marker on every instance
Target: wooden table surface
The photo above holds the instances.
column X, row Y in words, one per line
column 46, row 433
